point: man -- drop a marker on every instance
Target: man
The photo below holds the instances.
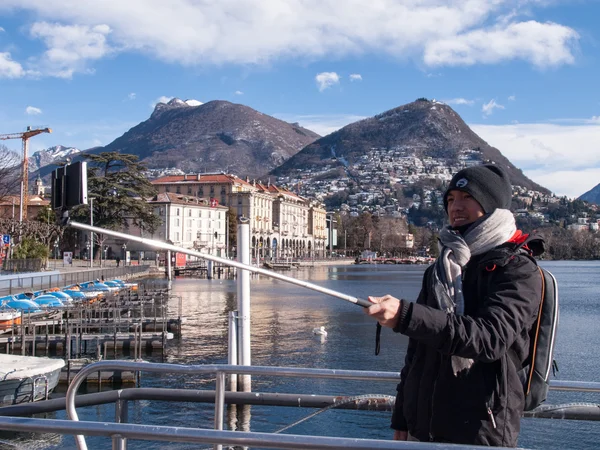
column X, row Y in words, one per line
column 469, row 328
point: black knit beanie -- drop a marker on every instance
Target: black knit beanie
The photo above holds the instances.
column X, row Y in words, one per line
column 487, row 183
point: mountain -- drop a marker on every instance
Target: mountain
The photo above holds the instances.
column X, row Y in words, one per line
column 592, row 196
column 213, row 136
column 421, row 129
column 51, row 155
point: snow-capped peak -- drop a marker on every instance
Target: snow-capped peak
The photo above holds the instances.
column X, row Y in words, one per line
column 176, row 102
column 192, row 102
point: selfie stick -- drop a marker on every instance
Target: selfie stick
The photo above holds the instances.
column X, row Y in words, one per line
column 228, row 262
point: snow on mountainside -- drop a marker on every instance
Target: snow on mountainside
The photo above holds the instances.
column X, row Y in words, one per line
column 50, row 155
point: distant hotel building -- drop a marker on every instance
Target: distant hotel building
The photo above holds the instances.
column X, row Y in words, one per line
column 282, row 224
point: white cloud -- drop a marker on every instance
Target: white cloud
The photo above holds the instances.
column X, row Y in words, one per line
column 2, row 30
column 512, row 98
column 459, row 101
column 545, row 153
column 542, row 44
column 326, row 80
column 441, row 32
column 322, row 124
column 70, row 47
column 355, row 77
column 488, row 108
column 238, row 93
column 10, row 68
column 131, row 96
column 33, row 111
column 161, row 99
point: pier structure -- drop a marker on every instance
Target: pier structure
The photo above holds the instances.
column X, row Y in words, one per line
column 129, row 323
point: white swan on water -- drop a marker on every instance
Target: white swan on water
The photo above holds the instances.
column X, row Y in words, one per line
column 321, row 331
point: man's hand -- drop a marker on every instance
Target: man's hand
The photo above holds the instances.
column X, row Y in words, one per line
column 400, row 435
column 384, row 310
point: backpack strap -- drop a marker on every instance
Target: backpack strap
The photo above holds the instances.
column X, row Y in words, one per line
column 537, row 332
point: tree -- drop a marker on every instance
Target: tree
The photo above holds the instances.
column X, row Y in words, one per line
column 10, row 170
column 118, row 191
column 30, row 248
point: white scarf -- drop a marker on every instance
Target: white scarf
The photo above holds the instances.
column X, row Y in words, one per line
column 455, row 253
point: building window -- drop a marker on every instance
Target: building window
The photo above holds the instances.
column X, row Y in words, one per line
column 188, row 236
column 178, row 191
column 189, row 190
column 177, row 212
column 201, row 192
column 212, row 190
column 177, row 236
column 177, row 222
column 167, row 189
column 190, row 213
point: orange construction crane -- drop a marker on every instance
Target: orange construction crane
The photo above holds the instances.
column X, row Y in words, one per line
column 24, row 136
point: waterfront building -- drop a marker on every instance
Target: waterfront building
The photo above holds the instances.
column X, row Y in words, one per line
column 282, row 224
column 191, row 222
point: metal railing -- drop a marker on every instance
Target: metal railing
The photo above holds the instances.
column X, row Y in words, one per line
column 12, row 284
column 121, row 431
column 221, row 371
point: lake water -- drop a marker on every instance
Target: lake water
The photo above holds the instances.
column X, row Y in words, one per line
column 283, row 317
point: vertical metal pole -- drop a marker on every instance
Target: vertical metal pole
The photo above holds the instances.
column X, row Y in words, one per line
column 121, row 412
column 21, row 205
column 243, row 296
column 219, row 404
column 169, row 265
column 227, row 234
column 232, row 359
column 91, row 232
column 33, row 342
column 22, row 334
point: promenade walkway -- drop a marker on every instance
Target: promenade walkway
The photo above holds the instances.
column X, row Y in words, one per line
column 58, row 274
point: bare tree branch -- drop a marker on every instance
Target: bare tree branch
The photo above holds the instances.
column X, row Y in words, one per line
column 10, row 169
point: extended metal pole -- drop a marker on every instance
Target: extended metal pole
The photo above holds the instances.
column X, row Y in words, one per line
column 228, row 262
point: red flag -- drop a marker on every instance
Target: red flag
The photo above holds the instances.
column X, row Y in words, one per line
column 214, row 203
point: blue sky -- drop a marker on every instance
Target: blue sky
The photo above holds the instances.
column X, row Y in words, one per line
column 522, row 73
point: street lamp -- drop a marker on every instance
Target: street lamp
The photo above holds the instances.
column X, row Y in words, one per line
column 55, row 252
column 124, row 248
column 87, row 246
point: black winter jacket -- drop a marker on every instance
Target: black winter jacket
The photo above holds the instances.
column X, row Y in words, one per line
column 502, row 291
